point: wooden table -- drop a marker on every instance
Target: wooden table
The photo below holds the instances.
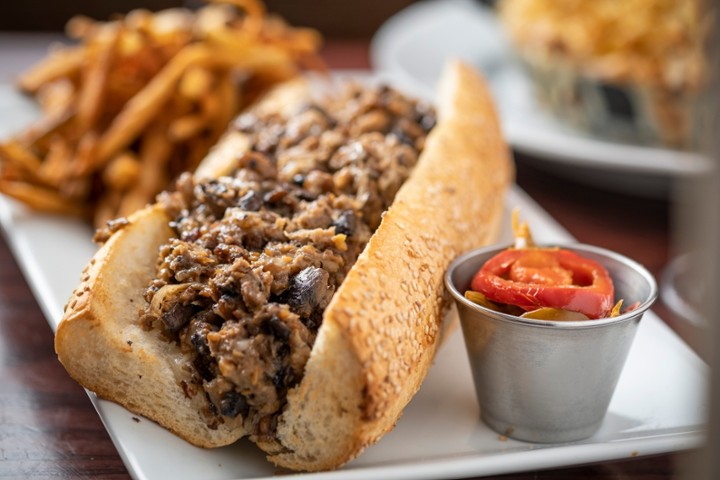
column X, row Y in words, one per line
column 48, row 427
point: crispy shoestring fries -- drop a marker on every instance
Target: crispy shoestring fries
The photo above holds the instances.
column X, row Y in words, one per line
column 140, row 99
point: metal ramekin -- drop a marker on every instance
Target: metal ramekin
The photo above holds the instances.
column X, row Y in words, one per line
column 548, row 381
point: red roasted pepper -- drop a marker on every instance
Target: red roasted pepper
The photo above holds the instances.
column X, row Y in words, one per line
column 533, row 278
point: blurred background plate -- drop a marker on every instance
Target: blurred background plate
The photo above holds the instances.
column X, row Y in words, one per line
column 413, row 44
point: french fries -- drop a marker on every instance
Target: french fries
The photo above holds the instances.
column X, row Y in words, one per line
column 140, row 99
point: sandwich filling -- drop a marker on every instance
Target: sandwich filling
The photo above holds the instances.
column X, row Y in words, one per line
column 259, row 253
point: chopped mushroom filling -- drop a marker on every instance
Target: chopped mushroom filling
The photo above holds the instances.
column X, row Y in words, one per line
column 259, row 253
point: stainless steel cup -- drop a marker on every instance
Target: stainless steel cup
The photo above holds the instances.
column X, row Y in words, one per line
column 548, row 381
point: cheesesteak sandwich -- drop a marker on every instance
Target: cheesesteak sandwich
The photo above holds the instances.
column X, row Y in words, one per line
column 291, row 289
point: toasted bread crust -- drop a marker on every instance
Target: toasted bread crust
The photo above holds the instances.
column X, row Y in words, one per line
column 382, row 328
column 380, row 331
column 100, row 341
column 104, row 348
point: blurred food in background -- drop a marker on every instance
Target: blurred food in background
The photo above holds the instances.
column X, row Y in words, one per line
column 142, row 98
column 631, row 70
column 347, row 19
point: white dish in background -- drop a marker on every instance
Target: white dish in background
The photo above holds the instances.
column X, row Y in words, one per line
column 415, row 43
column 659, row 405
column 21, row 50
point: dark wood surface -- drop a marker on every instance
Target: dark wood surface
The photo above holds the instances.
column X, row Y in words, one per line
column 48, row 427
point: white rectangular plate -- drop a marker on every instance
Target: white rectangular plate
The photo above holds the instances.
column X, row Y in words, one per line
column 659, row 405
